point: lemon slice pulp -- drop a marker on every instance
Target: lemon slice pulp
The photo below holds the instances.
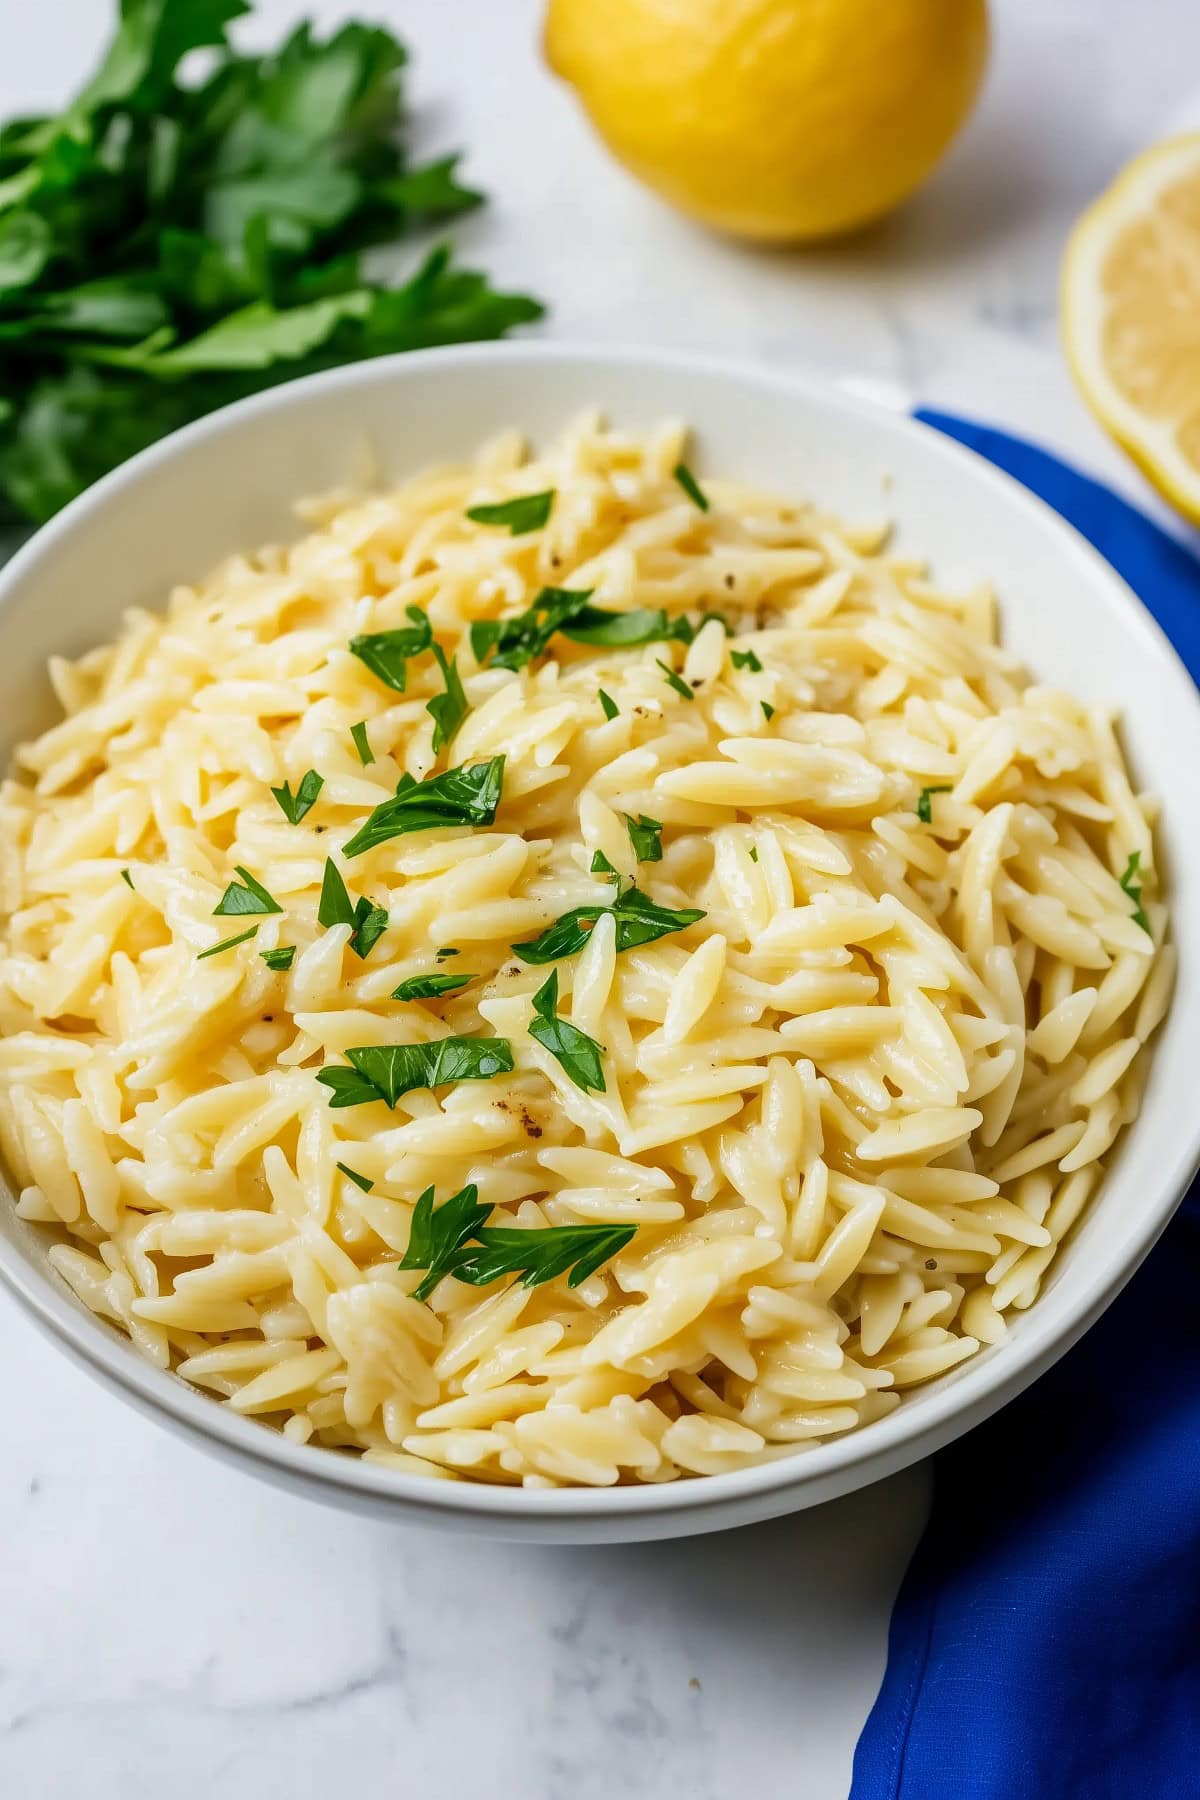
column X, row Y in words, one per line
column 1131, row 315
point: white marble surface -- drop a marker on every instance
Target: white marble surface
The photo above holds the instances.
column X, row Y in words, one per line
column 170, row 1627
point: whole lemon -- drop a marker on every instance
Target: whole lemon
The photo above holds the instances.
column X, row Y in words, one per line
column 774, row 119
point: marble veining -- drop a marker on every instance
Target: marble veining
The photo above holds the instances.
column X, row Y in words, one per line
column 170, row 1626
column 177, row 1625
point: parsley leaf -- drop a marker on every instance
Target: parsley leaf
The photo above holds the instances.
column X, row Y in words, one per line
column 690, row 486
column 440, row 1242
column 768, row 711
column 436, row 1235
column 608, row 705
column 347, row 1087
column 226, row 944
column 675, row 681
column 336, row 908
column 359, row 734
column 370, row 923
column 386, row 653
column 600, row 865
column 567, row 935
column 516, row 642
column 639, row 920
column 745, row 659
column 621, row 630
column 1133, row 887
column 360, row 1181
column 447, row 710
column 282, row 958
column 386, row 1071
column 646, row 837
column 684, row 632
column 527, row 512
column 462, row 796
column 447, row 950
column 127, row 878
column 513, row 643
column 245, row 896
column 538, row 1256
column 294, row 806
column 578, row 1053
column 428, row 987
column 925, row 802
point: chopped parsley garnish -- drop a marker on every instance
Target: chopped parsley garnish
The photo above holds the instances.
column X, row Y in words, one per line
column 639, row 920
column 283, row 958
column 925, row 802
column 348, row 1087
column 608, row 705
column 1133, row 887
column 359, row 734
column 514, row 643
column 436, row 1236
column 245, row 896
column 386, row 653
column 385, row 1071
column 539, row 1255
column 601, row 866
column 690, row 486
column 369, row 922
column 127, row 878
column 567, row 935
column 578, row 1053
column 336, row 907
column 646, row 837
column 607, row 630
column 447, row 710
column 675, row 681
column 226, row 944
column 687, row 633
column 745, row 659
column 527, row 512
column 294, row 806
column 440, row 1242
column 360, row 1181
column 754, row 853
column 462, row 796
column 768, row 711
column 447, row 950
column 428, row 987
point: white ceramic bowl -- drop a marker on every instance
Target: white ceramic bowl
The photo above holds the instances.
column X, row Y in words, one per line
column 228, row 483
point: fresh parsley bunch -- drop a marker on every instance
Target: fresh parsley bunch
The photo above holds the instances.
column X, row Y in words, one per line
column 167, row 246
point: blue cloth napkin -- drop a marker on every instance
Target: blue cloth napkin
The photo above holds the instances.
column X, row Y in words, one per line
column 1045, row 1644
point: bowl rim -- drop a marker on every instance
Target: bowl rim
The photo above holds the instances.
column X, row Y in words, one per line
column 930, row 1416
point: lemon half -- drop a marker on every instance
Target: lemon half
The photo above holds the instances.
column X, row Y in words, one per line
column 774, row 119
column 1131, row 315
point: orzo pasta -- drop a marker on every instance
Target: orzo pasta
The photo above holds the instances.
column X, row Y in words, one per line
column 636, row 1037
